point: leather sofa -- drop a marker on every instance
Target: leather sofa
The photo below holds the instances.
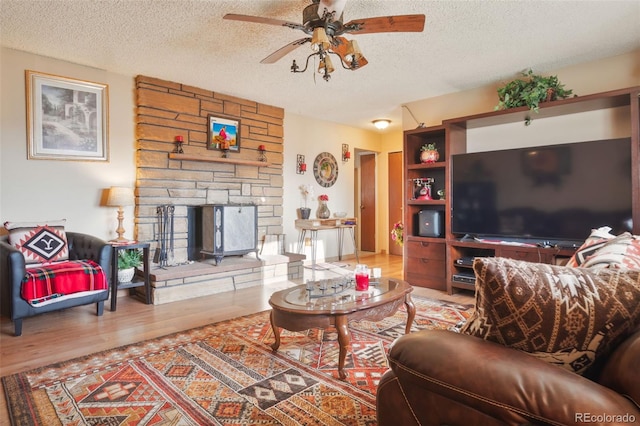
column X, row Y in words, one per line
column 445, row 378
column 12, row 271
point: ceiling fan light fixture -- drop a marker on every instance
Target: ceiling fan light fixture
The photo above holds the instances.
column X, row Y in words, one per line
column 320, row 39
column 326, row 66
column 382, row 123
column 353, row 51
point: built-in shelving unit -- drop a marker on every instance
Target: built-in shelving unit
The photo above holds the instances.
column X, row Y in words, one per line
column 433, row 261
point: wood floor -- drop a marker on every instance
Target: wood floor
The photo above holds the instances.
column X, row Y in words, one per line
column 59, row 336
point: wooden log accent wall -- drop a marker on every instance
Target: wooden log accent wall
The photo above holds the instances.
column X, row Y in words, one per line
column 167, row 109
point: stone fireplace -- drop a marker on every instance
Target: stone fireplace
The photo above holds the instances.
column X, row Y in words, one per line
column 200, row 176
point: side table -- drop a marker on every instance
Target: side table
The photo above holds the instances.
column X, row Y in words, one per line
column 136, row 281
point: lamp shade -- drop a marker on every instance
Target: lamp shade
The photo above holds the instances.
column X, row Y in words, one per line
column 319, row 39
column 353, row 51
column 120, row 196
column 326, row 63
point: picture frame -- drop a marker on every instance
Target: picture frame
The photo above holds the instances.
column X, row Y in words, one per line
column 223, row 130
column 67, row 119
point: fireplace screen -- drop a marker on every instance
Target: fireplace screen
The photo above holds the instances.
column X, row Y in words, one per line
column 228, row 230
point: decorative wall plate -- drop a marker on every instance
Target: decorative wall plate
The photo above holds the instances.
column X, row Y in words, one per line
column 325, row 169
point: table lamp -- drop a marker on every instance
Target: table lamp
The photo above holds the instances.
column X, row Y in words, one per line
column 119, row 197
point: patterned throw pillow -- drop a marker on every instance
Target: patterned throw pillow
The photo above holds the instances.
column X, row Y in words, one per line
column 593, row 243
column 39, row 242
column 621, row 252
column 565, row 316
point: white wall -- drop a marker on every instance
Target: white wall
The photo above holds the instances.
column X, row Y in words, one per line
column 53, row 189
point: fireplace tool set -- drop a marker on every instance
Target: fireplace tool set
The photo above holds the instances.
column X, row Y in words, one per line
column 165, row 235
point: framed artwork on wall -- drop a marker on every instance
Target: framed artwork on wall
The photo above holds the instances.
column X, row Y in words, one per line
column 223, row 133
column 67, row 119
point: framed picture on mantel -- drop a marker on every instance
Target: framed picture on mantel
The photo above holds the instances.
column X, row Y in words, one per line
column 67, row 119
column 223, row 133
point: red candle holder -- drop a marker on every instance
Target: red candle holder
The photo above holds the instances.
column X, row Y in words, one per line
column 262, row 157
column 346, row 155
column 301, row 166
column 178, row 149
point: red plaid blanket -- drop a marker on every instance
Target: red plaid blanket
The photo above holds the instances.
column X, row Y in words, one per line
column 59, row 279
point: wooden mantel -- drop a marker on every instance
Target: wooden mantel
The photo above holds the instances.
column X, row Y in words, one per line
column 188, row 157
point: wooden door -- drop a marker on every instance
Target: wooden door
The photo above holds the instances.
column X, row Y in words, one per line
column 395, row 198
column 368, row 202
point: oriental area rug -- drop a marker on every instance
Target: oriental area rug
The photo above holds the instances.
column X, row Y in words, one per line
column 223, row 374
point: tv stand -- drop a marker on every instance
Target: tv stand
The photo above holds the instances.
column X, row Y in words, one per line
column 461, row 252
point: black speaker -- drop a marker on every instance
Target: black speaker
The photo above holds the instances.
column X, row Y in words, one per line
column 430, row 223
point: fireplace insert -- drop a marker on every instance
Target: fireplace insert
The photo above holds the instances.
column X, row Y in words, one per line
column 229, row 229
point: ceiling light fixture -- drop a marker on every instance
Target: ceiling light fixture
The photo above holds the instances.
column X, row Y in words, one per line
column 325, row 42
column 381, row 124
column 322, row 22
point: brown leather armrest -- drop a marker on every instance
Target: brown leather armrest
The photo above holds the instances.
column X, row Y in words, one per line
column 503, row 383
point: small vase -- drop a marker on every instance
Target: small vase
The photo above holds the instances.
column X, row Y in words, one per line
column 305, row 212
column 323, row 211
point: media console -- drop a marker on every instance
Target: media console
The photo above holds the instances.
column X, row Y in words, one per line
column 462, row 254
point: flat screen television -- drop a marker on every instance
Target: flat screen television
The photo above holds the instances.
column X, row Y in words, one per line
column 555, row 193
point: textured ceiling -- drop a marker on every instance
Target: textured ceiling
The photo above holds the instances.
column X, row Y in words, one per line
column 465, row 44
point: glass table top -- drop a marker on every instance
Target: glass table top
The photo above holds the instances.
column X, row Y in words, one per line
column 336, row 292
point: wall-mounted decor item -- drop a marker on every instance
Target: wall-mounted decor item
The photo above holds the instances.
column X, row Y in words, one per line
column 223, row 133
column 346, row 155
column 262, row 156
column 325, row 169
column 301, row 166
column 179, row 140
column 67, row 119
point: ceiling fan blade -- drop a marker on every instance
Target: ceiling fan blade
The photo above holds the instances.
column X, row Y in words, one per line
column 330, row 6
column 280, row 53
column 341, row 49
column 386, row 24
column 263, row 20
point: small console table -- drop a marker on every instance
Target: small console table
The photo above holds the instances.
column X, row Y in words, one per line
column 136, row 281
column 315, row 225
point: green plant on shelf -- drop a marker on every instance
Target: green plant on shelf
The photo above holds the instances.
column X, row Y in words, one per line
column 129, row 258
column 530, row 91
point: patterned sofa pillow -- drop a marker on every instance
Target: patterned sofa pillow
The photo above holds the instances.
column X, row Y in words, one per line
column 593, row 243
column 620, row 252
column 39, row 242
column 562, row 315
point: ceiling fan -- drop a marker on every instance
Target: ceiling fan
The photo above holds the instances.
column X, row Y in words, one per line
column 323, row 23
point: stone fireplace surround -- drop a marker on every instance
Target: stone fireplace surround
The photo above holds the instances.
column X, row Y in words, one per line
column 167, row 109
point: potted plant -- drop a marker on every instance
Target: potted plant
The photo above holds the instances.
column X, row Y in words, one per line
column 307, row 191
column 530, row 91
column 429, row 153
column 128, row 261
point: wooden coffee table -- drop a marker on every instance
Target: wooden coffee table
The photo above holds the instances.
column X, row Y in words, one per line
column 297, row 309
